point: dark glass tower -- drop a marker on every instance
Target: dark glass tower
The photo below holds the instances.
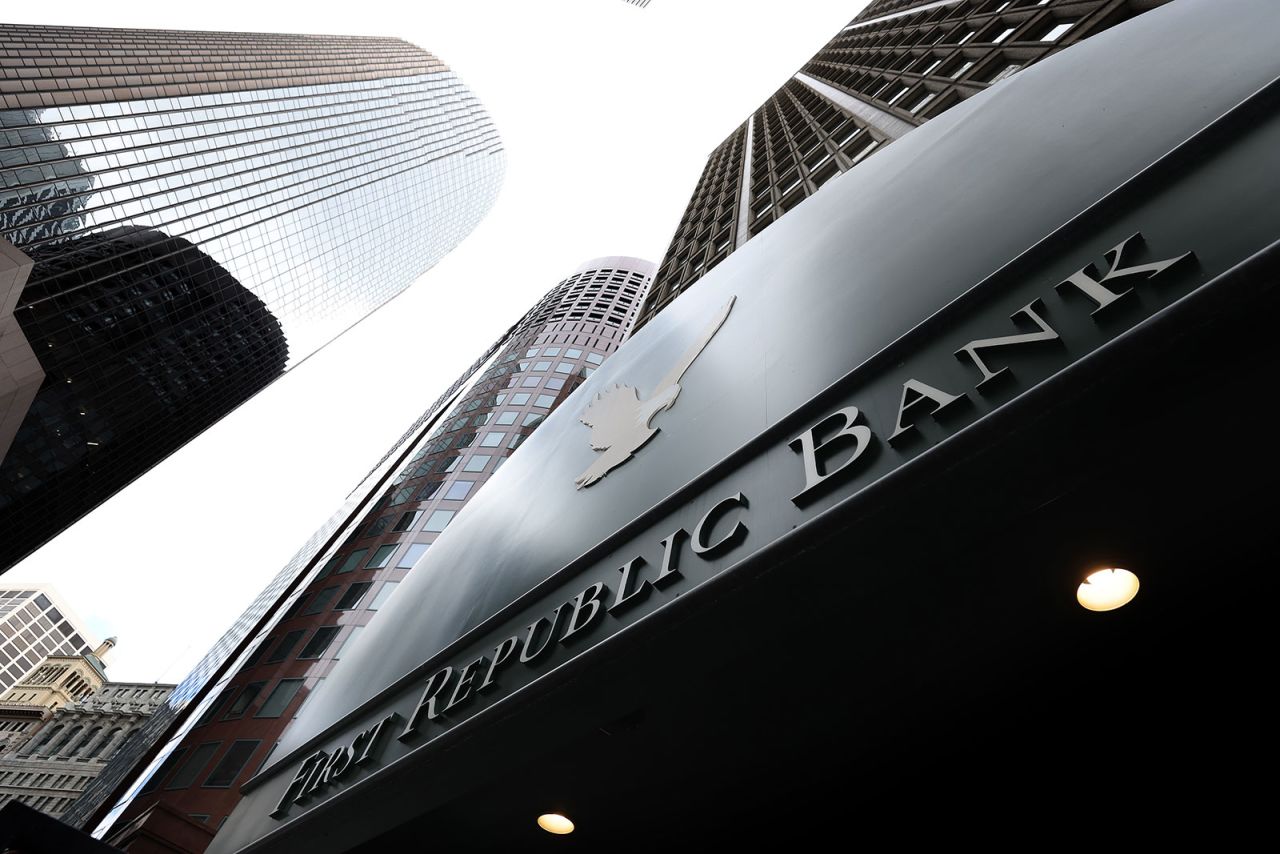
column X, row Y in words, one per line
column 225, row 718
column 184, row 216
column 895, row 66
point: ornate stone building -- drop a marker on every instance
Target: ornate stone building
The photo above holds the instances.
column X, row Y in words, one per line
column 60, row 680
column 61, row 724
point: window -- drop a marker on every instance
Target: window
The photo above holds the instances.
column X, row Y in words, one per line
column 382, row 556
column 595, row 358
column 286, row 645
column 573, row 353
column 401, row 496
column 529, row 354
column 545, row 401
column 564, row 368
column 516, row 440
column 439, row 519
column 477, row 463
column 554, row 384
column 353, row 560
column 429, row 490
column 322, row 600
column 507, row 417
column 281, row 696
column 329, row 567
column 1057, row 31
column 319, row 642
column 353, row 596
column 492, row 440
column 411, row 555
column 212, row 711
column 459, row 489
column 383, row 595
column 520, row 399
column 248, row 694
column 542, row 366
column 551, row 351
column 193, row 766
column 448, row 464
column 533, row 418
column 531, row 382
column 378, row 527
column 407, row 521
column 346, row 644
column 233, row 762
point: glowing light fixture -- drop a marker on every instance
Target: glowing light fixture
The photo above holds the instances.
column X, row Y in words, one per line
column 1107, row 589
column 555, row 823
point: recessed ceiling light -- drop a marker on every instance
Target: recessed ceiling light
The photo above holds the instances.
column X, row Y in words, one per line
column 1107, row 589
column 555, row 823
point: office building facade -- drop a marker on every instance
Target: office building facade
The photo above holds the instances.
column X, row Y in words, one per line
column 898, row 64
column 35, row 623
column 230, row 729
column 184, row 216
column 858, row 492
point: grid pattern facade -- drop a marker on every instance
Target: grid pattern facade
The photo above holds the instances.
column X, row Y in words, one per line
column 172, row 187
column 32, row 627
column 232, row 720
column 897, row 65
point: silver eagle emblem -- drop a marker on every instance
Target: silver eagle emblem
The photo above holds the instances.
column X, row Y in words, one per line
column 619, row 418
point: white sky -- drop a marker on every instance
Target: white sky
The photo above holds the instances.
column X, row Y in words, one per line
column 607, row 113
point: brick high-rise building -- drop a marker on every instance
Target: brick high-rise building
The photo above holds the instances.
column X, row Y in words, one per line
column 896, row 65
column 184, row 216
column 225, row 719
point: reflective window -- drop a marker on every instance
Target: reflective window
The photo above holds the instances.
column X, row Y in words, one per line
column 439, row 519
column 246, row 696
column 195, row 763
column 353, row 596
column 353, row 560
column 492, row 440
column 231, row 764
column 545, row 401
column 319, row 642
column 407, row 521
column 459, row 489
column 322, row 600
column 286, row 645
column 508, row 417
column 411, row 555
column 279, row 699
column 476, row 463
column 383, row 595
column 382, row 556
column 520, row 399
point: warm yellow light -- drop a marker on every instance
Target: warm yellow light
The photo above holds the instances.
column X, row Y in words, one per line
column 1107, row 589
column 555, row 823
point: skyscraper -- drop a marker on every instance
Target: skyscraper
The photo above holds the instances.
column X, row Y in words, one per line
column 229, row 721
column 184, row 216
column 898, row 64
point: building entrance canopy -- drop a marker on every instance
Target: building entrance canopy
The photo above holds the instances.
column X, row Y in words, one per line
column 773, row 524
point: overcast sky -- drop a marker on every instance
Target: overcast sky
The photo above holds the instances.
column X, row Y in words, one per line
column 607, row 113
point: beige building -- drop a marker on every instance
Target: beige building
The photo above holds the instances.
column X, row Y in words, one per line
column 61, row 724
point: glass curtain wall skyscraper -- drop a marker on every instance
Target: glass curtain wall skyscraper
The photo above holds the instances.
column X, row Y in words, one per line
column 186, row 215
column 896, row 65
column 228, row 715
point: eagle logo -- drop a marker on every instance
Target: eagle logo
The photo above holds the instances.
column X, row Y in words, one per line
column 619, row 418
